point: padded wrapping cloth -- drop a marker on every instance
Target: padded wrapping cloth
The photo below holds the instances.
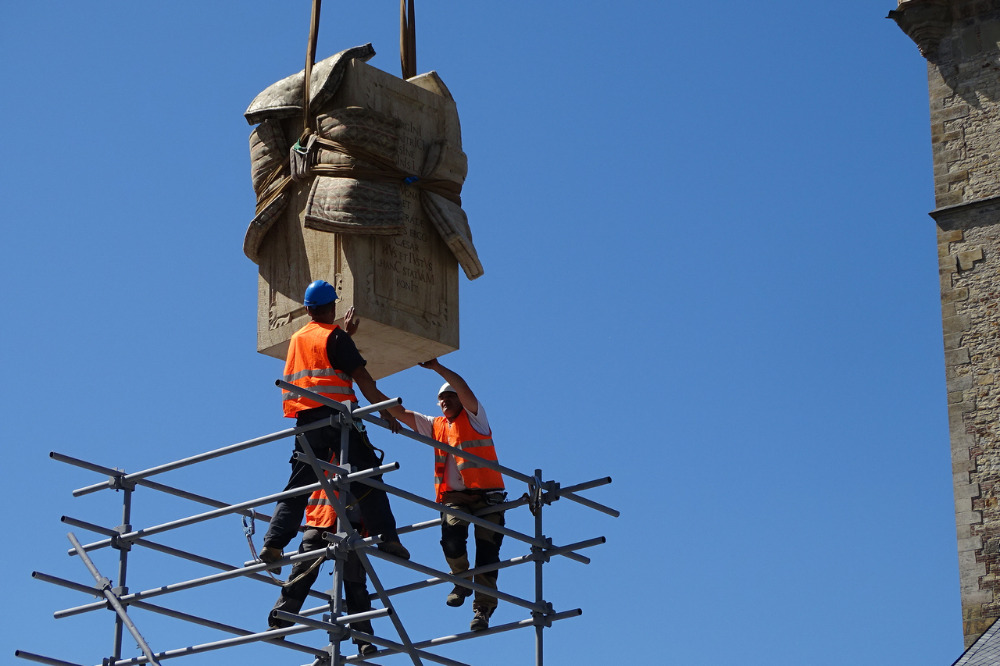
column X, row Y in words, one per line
column 356, row 185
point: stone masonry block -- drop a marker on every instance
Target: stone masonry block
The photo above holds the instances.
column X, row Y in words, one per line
column 948, row 264
column 979, row 597
column 967, row 491
column 957, row 176
column 953, row 340
column 958, row 356
column 949, row 199
column 956, row 324
column 956, row 415
column 967, row 562
column 962, row 504
column 956, row 397
column 960, row 383
column 966, row 260
column 955, row 295
column 950, row 113
column 951, row 236
column 968, row 518
column 970, row 544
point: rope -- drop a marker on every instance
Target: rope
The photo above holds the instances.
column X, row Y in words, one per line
column 248, row 530
column 407, row 39
column 310, row 61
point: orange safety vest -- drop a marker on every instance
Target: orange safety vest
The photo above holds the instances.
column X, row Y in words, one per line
column 462, row 435
column 319, row 510
column 308, row 366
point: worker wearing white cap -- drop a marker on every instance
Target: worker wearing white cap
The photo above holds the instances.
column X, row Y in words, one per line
column 463, row 484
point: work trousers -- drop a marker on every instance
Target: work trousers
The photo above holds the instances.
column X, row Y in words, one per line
column 325, row 444
column 455, row 536
column 355, row 588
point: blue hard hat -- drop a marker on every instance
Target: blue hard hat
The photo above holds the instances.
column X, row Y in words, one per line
column 319, row 293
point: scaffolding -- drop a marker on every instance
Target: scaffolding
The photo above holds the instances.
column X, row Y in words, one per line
column 334, row 624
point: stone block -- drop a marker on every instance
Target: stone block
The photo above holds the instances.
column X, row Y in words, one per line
column 403, row 285
column 953, row 340
column 960, row 383
column 967, row 491
column 950, row 236
column 967, row 562
column 949, row 198
column 971, row 544
column 958, row 356
column 948, row 264
column 968, row 518
column 966, row 260
column 956, row 324
column 950, row 113
column 955, row 295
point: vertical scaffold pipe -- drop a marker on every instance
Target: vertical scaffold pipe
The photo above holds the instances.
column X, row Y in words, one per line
column 539, row 564
column 123, row 551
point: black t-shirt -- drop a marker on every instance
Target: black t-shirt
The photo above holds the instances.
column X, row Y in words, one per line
column 342, row 352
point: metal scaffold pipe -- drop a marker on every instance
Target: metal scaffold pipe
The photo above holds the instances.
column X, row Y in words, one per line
column 343, row 540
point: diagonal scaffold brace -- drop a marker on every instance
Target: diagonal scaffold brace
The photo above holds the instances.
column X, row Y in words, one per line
column 104, row 585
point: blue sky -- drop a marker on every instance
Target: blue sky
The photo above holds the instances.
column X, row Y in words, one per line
column 710, row 275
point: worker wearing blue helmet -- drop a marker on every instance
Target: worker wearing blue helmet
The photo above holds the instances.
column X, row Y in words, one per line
column 323, row 358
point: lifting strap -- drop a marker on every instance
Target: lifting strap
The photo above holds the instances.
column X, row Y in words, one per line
column 407, row 39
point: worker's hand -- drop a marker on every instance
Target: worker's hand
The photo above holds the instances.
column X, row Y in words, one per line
column 432, row 364
column 350, row 323
column 391, row 420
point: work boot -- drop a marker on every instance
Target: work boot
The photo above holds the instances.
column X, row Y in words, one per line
column 457, row 596
column 366, row 649
column 394, row 548
column 268, row 555
column 480, row 618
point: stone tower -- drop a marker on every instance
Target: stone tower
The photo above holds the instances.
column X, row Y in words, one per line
column 961, row 41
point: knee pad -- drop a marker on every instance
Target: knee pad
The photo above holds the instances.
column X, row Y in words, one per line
column 453, row 547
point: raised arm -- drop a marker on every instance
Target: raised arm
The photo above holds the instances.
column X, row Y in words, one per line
column 465, row 394
column 366, row 384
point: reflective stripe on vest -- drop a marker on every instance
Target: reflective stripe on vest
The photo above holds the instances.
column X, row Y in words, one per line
column 307, row 365
column 462, row 435
column 319, row 508
column 320, row 511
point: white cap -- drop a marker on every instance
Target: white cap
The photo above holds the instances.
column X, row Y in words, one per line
column 446, row 388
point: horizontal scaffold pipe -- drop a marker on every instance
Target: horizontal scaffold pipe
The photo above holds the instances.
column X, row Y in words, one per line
column 217, row 645
column 31, row 656
column 480, row 461
column 208, row 455
column 182, row 554
column 555, row 492
column 458, row 580
column 500, row 628
column 506, row 564
column 196, row 582
column 153, row 485
column 365, row 414
column 396, row 648
column 431, row 504
column 234, row 508
column 87, row 589
column 338, row 623
column 378, row 485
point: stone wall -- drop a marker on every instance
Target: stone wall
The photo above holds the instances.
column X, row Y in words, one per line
column 961, row 41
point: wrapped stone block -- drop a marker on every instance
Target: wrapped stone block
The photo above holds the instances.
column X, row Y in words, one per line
column 369, row 204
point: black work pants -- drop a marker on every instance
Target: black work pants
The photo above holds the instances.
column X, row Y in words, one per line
column 355, row 589
column 376, row 513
